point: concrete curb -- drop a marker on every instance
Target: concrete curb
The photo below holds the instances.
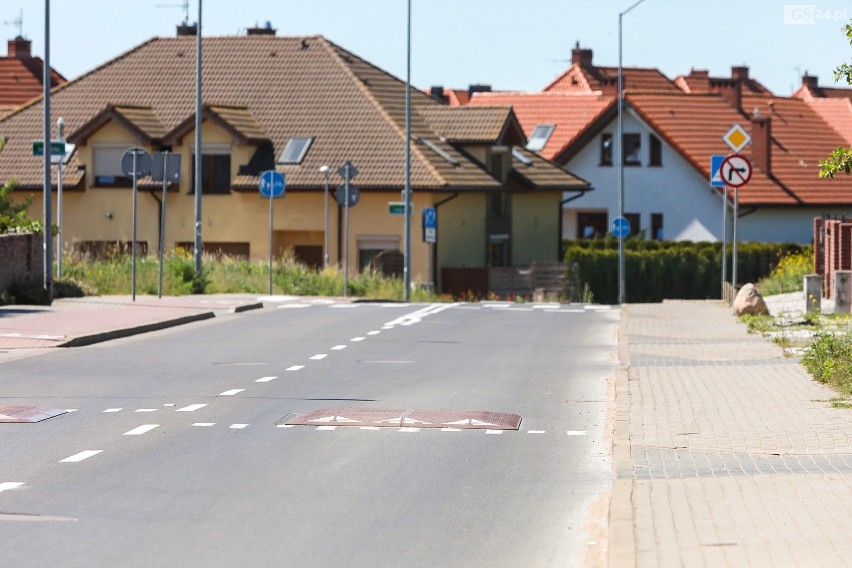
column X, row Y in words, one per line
column 621, row 550
column 135, row 330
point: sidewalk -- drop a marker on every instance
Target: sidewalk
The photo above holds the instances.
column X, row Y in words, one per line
column 73, row 322
column 725, row 452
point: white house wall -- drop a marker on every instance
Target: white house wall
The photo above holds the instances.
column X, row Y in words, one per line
column 691, row 210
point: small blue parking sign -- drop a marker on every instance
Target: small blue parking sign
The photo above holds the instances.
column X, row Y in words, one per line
column 430, row 225
column 620, row 227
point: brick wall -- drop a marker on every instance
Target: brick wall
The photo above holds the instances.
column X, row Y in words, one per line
column 832, row 250
column 21, row 259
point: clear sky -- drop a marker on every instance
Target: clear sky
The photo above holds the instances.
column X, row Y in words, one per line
column 509, row 44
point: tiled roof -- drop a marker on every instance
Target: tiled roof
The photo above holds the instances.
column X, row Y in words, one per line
column 699, row 82
column 21, row 79
column 837, row 112
column 142, row 121
column 587, row 79
column 801, row 138
column 274, row 87
column 468, row 124
column 694, row 126
column 541, row 173
column 572, row 114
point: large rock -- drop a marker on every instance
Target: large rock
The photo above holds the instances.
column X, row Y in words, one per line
column 749, row 301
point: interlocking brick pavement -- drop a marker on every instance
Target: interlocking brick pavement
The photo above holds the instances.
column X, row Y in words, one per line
column 726, row 453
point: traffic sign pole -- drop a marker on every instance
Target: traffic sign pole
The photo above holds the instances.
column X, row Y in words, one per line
column 271, row 200
column 734, row 251
column 724, row 241
column 163, row 222
column 133, row 251
column 135, row 162
column 346, row 235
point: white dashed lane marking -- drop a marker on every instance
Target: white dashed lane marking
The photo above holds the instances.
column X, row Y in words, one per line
column 265, row 379
column 319, row 356
column 295, row 367
column 338, row 347
column 535, row 431
column 145, row 410
column 238, row 426
column 231, row 392
column 374, row 332
column 191, row 408
column 356, row 339
column 113, row 410
column 204, row 424
column 576, row 432
column 10, row 485
column 81, row 456
column 141, row 429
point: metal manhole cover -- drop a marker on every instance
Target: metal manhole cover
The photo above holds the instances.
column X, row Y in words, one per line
column 398, row 418
column 27, row 414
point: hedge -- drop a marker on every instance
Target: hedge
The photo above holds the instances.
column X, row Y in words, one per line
column 658, row 270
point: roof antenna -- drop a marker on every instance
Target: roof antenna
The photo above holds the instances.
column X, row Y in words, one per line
column 19, row 21
column 184, row 5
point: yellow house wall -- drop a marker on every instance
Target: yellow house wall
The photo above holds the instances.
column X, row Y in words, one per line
column 535, row 227
column 461, row 232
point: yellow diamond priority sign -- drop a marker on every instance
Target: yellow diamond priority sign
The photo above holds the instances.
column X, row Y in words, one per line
column 737, row 138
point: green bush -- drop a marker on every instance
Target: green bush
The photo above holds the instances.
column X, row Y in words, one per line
column 829, row 360
column 788, row 275
column 657, row 270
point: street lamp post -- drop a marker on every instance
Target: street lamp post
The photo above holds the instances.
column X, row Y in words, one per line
column 60, row 132
column 324, row 171
column 620, row 156
column 407, row 190
column 198, row 152
column 47, row 244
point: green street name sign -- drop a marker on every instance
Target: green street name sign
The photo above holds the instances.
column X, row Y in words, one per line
column 57, row 148
column 396, row 207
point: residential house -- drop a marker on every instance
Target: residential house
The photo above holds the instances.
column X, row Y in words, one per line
column 294, row 104
column 22, row 76
column 671, row 130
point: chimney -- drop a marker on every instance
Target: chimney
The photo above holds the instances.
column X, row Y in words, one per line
column 478, row 89
column 761, row 143
column 698, row 81
column 581, row 56
column 266, row 30
column 437, row 93
column 739, row 73
column 809, row 82
column 185, row 29
column 731, row 91
column 19, row 48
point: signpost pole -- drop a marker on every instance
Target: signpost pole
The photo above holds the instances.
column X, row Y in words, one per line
column 60, row 131
column 133, row 244
column 163, row 221
column 47, row 243
column 271, row 199
column 346, row 232
column 734, row 251
column 724, row 241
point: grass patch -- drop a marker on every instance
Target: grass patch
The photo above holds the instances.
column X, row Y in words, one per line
column 788, row 275
column 829, row 361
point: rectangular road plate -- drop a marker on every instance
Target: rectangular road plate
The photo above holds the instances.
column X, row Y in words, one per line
column 27, row 414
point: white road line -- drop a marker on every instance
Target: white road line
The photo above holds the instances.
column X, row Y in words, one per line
column 141, row 430
column 373, row 332
column 409, row 429
column 238, row 426
column 204, row 424
column 70, row 410
column 81, row 456
column 170, row 404
column 10, row 485
column 535, row 431
column 356, row 339
column 388, row 327
column 494, row 431
column 295, row 367
column 338, row 347
column 291, row 306
column 576, row 432
column 113, row 410
column 451, row 429
column 344, row 306
column 191, row 408
column 369, row 428
column 265, row 379
column 319, row 356
column 418, row 315
column 145, row 410
column 326, row 427
column 231, row 392
column 286, row 426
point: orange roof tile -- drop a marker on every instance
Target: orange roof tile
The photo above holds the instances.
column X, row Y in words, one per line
column 837, row 112
column 572, row 114
column 588, row 79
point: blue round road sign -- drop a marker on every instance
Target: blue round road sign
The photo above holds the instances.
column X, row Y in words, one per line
column 271, row 184
column 620, row 227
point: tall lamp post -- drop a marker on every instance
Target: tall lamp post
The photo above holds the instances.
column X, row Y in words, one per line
column 47, row 244
column 324, row 171
column 60, row 132
column 198, row 153
column 620, row 156
column 407, row 189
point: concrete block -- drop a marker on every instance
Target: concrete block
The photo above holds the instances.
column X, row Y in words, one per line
column 813, row 293
column 842, row 291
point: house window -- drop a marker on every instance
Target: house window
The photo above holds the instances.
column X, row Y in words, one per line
column 295, row 150
column 655, row 152
column 107, row 167
column 591, row 225
column 539, row 137
column 635, row 224
column 632, row 149
column 606, row 149
column 215, row 173
column 371, row 247
column 657, row 226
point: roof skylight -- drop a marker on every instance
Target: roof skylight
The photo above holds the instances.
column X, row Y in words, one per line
column 520, row 157
column 541, row 133
column 295, row 150
column 440, row 151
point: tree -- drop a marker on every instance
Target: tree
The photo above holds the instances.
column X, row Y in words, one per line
column 13, row 217
column 841, row 159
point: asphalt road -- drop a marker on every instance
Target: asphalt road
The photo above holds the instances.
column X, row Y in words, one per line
column 176, row 455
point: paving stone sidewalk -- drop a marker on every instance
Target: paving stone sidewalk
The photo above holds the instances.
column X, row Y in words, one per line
column 726, row 453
